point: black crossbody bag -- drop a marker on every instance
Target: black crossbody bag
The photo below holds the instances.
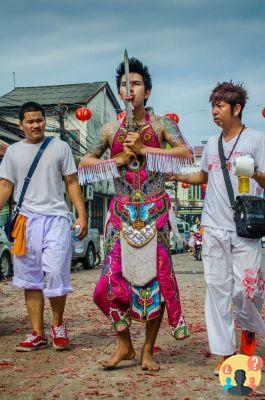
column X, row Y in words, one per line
column 249, row 211
column 9, row 225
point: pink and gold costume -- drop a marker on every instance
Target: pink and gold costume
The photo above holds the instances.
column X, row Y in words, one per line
column 137, row 272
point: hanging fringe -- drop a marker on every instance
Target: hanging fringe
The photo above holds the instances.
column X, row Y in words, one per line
column 170, row 164
column 104, row 171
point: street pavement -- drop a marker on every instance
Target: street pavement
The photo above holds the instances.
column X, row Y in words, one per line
column 186, row 366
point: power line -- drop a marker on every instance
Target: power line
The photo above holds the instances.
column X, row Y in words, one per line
column 19, row 133
column 100, row 108
column 49, row 126
column 53, row 110
column 61, row 110
column 64, row 134
column 77, row 128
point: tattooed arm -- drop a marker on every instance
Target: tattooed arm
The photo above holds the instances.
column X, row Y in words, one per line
column 172, row 135
column 102, row 142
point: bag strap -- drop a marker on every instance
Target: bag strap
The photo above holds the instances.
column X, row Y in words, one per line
column 32, row 169
column 226, row 175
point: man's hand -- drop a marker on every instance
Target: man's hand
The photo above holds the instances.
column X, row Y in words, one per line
column 86, row 161
column 124, row 157
column 255, row 172
column 196, row 178
column 134, row 142
column 172, row 178
column 6, row 188
column 259, row 177
column 82, row 222
column 76, row 196
column 128, row 153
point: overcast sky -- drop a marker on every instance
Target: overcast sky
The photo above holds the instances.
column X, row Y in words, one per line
column 189, row 45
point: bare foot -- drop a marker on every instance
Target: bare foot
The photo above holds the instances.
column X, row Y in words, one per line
column 122, row 353
column 148, row 363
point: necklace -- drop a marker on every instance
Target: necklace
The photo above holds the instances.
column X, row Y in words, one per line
column 231, row 152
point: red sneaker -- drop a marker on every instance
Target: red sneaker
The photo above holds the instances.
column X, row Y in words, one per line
column 248, row 343
column 60, row 337
column 33, row 342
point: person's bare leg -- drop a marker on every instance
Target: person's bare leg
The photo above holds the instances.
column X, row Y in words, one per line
column 152, row 328
column 58, row 305
column 125, row 350
column 35, row 306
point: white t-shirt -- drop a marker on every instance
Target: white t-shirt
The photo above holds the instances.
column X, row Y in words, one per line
column 45, row 193
column 217, row 212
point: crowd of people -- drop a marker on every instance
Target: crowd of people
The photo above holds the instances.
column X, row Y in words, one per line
column 137, row 280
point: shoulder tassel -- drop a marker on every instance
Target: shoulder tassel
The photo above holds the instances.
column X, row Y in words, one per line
column 168, row 164
column 104, row 171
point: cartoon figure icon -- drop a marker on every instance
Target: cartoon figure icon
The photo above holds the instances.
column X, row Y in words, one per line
column 228, row 384
column 241, row 374
column 255, row 363
column 240, row 389
column 252, row 383
column 227, row 369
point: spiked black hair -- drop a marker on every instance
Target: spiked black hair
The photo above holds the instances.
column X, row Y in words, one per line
column 137, row 67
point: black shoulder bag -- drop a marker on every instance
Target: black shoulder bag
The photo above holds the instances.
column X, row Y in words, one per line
column 9, row 225
column 249, row 211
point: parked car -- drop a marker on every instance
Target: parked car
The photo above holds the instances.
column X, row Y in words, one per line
column 177, row 244
column 184, row 231
column 5, row 256
column 89, row 246
column 263, row 241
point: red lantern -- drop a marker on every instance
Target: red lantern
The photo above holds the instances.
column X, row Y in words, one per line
column 121, row 115
column 185, row 185
column 173, row 116
column 83, row 114
column 203, row 186
column 263, row 112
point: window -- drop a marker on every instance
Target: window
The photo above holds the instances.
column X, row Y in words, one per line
column 97, row 213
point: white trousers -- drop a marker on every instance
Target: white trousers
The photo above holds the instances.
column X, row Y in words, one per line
column 232, row 270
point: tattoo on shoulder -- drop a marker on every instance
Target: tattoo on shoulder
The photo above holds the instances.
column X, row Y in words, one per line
column 99, row 142
column 171, row 127
column 112, row 130
column 103, row 139
column 156, row 123
column 172, row 132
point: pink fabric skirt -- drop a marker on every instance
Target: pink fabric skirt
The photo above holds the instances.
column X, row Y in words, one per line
column 113, row 293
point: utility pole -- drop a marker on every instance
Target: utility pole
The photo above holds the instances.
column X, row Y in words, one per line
column 60, row 111
column 176, row 198
column 14, row 79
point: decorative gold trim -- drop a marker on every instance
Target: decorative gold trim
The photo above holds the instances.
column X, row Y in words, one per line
column 143, row 243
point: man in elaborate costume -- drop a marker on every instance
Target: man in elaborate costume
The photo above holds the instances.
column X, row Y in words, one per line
column 137, row 280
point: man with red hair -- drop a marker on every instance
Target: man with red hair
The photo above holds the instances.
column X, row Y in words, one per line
column 232, row 264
